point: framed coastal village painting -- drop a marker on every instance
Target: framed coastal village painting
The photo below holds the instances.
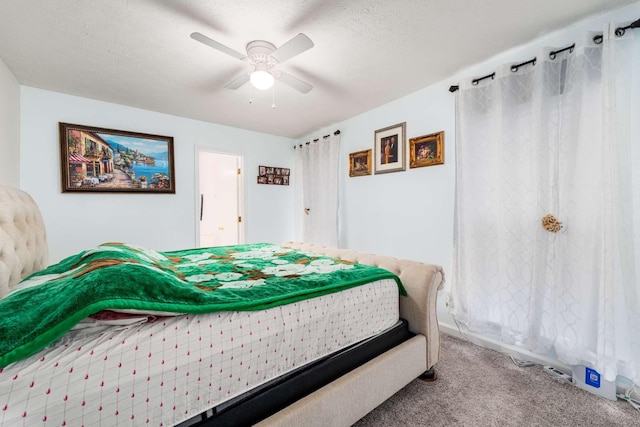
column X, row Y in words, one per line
column 94, row 159
column 389, row 148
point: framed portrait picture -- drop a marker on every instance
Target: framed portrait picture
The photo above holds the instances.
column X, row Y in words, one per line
column 426, row 150
column 360, row 163
column 94, row 159
column 389, row 148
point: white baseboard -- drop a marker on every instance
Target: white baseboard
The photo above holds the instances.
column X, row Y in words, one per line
column 518, row 353
column 511, row 350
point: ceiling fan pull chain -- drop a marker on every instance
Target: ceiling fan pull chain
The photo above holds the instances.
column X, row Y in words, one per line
column 273, row 97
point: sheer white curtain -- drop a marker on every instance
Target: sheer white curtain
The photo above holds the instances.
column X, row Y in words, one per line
column 317, row 191
column 553, row 138
column 621, row 75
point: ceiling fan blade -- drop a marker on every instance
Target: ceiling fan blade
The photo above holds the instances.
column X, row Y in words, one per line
column 295, row 82
column 238, row 81
column 218, row 46
column 293, row 47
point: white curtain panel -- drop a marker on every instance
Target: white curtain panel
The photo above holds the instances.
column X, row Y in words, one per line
column 559, row 137
column 317, row 191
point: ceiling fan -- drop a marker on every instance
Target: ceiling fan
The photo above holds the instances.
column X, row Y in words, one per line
column 264, row 58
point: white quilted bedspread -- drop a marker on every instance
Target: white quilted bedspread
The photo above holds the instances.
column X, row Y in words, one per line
column 168, row 371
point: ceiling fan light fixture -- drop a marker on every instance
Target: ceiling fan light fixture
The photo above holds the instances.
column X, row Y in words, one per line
column 261, row 78
column 265, row 58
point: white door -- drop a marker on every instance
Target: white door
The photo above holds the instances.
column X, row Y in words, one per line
column 219, row 199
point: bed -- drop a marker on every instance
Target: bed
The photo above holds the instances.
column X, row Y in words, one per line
column 336, row 354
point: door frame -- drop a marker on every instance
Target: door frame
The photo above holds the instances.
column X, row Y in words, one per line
column 241, row 226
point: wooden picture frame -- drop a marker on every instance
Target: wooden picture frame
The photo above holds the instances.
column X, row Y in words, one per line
column 360, row 163
column 390, row 148
column 426, row 150
column 94, row 159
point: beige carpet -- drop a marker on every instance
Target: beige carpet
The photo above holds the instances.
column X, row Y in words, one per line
column 481, row 387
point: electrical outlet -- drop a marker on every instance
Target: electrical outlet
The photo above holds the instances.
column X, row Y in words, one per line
column 557, row 374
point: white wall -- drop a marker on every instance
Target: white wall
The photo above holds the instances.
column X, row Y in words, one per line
column 406, row 214
column 9, row 127
column 78, row 221
column 410, row 214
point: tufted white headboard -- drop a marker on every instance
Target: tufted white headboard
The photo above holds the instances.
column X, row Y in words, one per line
column 23, row 239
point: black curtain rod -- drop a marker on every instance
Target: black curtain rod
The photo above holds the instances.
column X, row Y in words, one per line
column 619, row 31
column 318, row 139
column 515, row 67
column 335, row 133
column 552, row 55
column 474, row 81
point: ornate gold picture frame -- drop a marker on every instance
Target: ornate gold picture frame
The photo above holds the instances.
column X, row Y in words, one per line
column 426, row 150
column 360, row 163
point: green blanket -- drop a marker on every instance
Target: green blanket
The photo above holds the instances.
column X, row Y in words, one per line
column 117, row 276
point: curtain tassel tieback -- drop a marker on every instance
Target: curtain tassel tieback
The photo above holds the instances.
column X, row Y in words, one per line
column 551, row 224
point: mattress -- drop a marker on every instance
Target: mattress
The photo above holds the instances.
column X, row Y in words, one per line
column 259, row 404
column 169, row 370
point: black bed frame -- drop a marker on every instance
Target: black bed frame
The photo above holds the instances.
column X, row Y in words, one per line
column 273, row 396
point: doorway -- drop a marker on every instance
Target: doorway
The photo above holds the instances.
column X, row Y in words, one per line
column 219, row 199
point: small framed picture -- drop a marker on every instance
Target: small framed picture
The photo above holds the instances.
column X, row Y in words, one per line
column 273, row 175
column 360, row 163
column 389, row 148
column 426, row 150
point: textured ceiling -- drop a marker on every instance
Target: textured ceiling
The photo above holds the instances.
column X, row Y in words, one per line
column 366, row 53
